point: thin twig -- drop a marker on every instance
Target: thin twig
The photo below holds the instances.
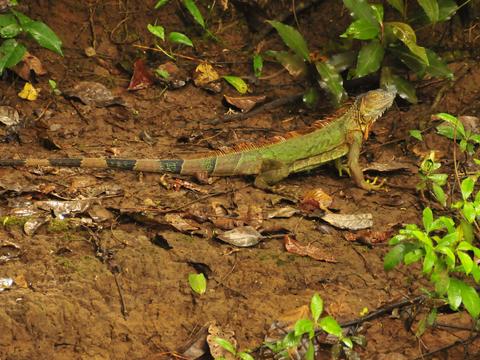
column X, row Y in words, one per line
column 447, row 347
column 265, row 107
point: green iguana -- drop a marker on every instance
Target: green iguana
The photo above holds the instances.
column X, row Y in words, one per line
column 328, row 140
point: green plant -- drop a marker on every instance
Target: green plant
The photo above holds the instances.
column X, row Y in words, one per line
column 227, row 345
column 308, row 328
column 196, row 15
column 382, row 43
column 445, row 245
column 431, row 179
column 446, row 251
column 454, row 130
column 15, row 23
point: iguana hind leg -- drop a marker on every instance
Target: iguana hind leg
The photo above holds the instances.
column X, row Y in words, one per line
column 271, row 172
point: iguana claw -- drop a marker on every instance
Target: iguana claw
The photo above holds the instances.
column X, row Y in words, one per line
column 372, row 185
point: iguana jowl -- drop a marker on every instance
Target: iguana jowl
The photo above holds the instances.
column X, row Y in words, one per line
column 271, row 162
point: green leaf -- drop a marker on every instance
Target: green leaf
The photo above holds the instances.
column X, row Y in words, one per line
column 9, row 27
column 257, row 65
column 292, row 38
column 416, row 134
column 406, row 34
column 441, row 281
column 450, row 257
column 467, row 186
column 316, row 307
column 293, row 63
column 469, row 212
column 427, row 217
column 304, row 326
column 447, row 8
column 11, row 53
column 413, row 256
column 361, row 9
column 452, row 120
column 290, row 340
column 237, row 83
column 7, row 20
column 343, row 61
column 227, row 345
column 370, row 58
column 310, row 354
column 195, row 12
column 179, row 38
column 429, row 261
column 160, row 3
column 348, row 342
column 394, row 257
column 471, row 300
column 454, row 294
column 398, row 5
column 157, row 30
column 437, row 67
column 21, row 17
column 45, row 36
column 331, row 81
column 198, row 283
column 245, row 356
column 330, row 325
column 439, row 194
column 466, row 261
column 311, row 97
column 404, row 88
column 378, row 12
column 361, row 30
column 431, row 9
column 464, row 246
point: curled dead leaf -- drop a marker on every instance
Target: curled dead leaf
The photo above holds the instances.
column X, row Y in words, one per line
column 245, row 103
column 295, row 247
column 349, row 221
column 243, row 236
column 93, row 93
column 142, row 77
column 316, row 199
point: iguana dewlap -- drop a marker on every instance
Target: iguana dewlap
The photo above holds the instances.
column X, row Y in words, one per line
column 328, row 140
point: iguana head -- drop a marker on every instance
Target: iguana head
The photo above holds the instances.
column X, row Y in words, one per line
column 372, row 105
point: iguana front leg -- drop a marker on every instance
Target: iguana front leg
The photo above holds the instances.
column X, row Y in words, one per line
column 355, row 139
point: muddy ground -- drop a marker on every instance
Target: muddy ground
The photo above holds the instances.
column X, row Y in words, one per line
column 111, row 283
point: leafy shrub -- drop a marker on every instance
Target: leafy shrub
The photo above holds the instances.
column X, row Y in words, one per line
column 12, row 25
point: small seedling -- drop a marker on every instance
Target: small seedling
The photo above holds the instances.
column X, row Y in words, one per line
column 308, row 328
column 227, row 345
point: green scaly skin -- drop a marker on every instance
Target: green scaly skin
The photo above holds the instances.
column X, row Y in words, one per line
column 271, row 162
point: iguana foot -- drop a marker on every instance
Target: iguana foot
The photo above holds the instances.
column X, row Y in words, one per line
column 341, row 166
column 372, row 185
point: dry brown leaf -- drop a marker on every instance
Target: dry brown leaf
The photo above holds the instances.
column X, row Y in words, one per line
column 243, row 236
column 316, row 199
column 294, row 247
column 142, row 77
column 349, row 221
column 29, row 64
column 369, row 237
column 180, row 223
column 206, row 77
column 93, row 93
column 245, row 103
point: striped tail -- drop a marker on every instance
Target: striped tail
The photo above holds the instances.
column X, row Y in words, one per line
column 147, row 165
